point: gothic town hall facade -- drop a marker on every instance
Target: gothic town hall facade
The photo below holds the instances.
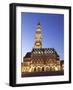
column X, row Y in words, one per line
column 41, row 59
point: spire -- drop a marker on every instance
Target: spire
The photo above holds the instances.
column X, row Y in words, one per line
column 38, row 37
column 38, row 23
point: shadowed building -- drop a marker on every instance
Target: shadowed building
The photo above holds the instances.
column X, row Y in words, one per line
column 41, row 59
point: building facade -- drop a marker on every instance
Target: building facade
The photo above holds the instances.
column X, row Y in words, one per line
column 41, row 59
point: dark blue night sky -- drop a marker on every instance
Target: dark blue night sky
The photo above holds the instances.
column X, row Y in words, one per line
column 52, row 27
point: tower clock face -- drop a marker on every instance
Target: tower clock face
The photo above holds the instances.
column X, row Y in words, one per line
column 37, row 44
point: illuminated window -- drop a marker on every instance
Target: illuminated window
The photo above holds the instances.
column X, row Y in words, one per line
column 39, row 52
column 36, row 52
column 45, row 52
column 56, row 68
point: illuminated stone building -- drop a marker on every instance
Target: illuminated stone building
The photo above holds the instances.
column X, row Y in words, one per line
column 41, row 59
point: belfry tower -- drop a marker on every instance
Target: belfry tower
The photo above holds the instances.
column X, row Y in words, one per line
column 38, row 37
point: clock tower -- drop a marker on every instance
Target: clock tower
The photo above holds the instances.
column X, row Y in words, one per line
column 38, row 37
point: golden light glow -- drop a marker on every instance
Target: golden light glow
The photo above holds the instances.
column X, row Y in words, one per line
column 40, row 68
column 41, row 59
column 56, row 68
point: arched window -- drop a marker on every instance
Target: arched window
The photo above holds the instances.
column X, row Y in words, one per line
column 35, row 69
column 42, row 68
column 47, row 69
column 39, row 69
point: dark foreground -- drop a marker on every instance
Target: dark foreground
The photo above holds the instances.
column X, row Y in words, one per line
column 51, row 73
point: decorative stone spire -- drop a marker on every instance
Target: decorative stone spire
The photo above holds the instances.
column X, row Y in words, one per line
column 38, row 37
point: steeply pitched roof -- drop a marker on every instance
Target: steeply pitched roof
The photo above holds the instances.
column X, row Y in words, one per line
column 51, row 51
column 44, row 49
column 28, row 55
column 62, row 61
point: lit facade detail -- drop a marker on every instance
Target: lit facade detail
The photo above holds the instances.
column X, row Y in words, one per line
column 38, row 37
column 41, row 59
